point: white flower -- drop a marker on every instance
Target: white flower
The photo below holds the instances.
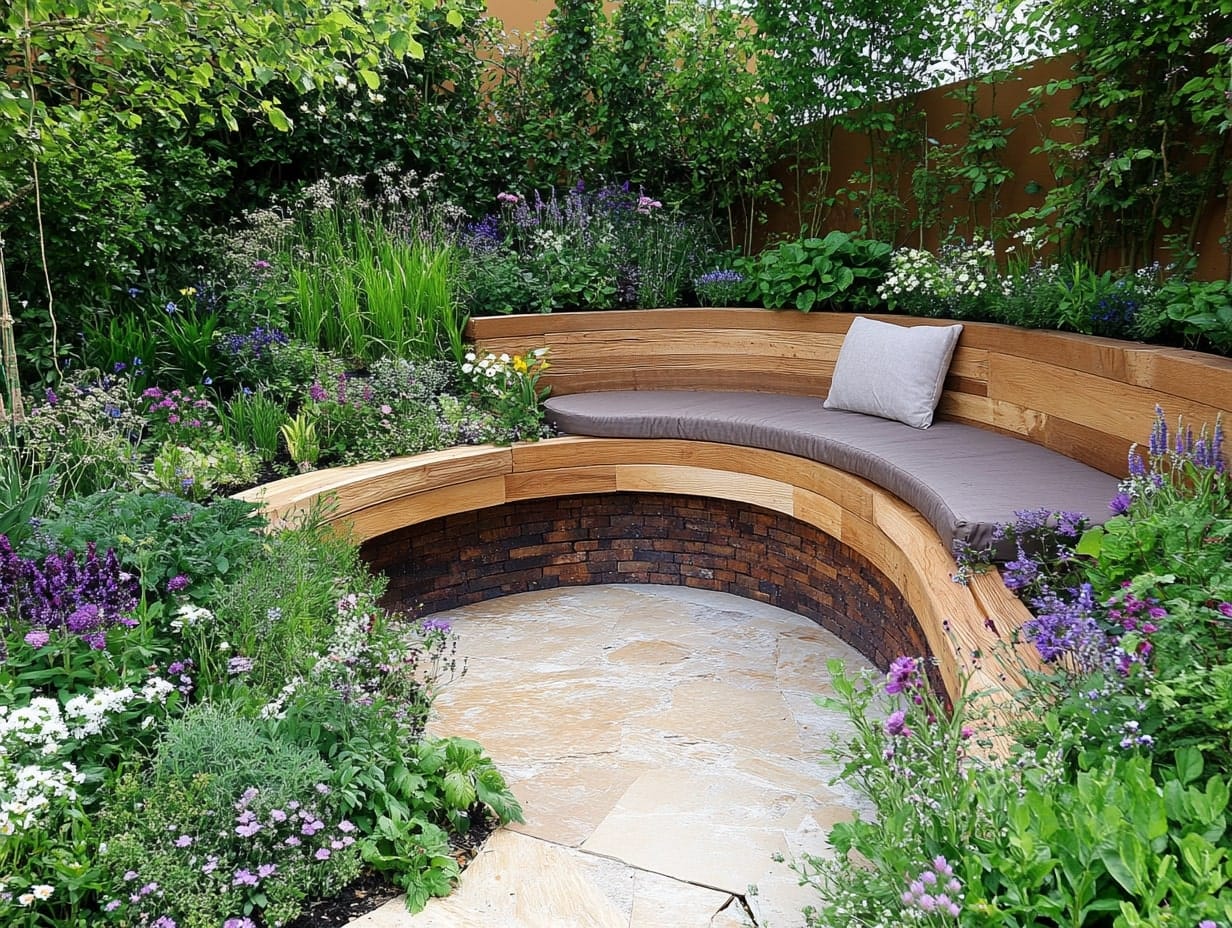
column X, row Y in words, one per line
column 41, row 891
column 25, row 899
column 467, row 368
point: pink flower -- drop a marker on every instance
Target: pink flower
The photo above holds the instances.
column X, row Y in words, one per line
column 322, row 853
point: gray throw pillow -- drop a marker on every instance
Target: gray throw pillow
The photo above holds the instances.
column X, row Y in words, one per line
column 892, row 371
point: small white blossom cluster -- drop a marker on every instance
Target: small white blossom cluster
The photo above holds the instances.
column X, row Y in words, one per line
column 190, row 616
column 958, row 272
column 28, row 791
column 44, row 729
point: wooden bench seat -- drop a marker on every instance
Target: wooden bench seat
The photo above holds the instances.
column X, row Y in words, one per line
column 1085, row 398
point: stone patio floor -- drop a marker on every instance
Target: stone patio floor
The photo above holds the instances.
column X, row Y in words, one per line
column 665, row 745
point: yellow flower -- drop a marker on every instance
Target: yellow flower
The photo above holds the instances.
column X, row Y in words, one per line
column 189, row 291
column 519, row 364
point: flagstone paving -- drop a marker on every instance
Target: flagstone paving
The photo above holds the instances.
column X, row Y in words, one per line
column 665, row 746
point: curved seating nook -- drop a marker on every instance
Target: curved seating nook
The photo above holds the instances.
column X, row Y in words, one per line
column 1086, row 398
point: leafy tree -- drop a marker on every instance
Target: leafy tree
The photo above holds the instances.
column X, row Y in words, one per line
column 75, row 67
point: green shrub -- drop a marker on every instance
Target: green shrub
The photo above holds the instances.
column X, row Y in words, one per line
column 158, row 536
column 229, row 822
column 835, row 272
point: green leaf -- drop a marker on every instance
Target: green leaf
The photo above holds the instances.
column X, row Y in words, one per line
column 1189, row 764
column 370, row 78
column 1091, row 542
column 278, row 119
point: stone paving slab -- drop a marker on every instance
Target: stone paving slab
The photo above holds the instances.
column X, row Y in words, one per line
column 664, row 744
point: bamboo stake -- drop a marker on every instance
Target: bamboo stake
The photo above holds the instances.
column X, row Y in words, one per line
column 8, row 350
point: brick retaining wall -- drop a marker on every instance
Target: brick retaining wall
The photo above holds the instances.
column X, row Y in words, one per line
column 692, row 541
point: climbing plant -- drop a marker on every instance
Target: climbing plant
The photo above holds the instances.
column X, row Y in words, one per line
column 1146, row 145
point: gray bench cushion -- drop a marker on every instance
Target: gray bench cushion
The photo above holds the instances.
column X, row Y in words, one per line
column 963, row 479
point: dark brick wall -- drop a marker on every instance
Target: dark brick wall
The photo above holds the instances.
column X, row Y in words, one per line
column 648, row 538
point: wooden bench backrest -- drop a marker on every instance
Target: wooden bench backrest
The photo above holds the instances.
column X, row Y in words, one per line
column 1088, row 398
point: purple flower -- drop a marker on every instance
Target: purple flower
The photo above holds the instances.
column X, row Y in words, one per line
column 37, row 638
column 292, row 841
column 436, row 625
column 1225, row 609
column 177, row 583
column 896, row 725
column 240, row 665
column 1119, row 504
column 248, row 830
column 345, row 826
column 183, row 841
column 266, row 870
column 1062, row 627
column 112, row 905
column 317, row 393
column 164, row 921
column 322, row 853
column 903, row 676
column 239, row 922
column 244, row 878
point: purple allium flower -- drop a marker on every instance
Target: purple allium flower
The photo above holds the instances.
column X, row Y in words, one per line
column 38, row 638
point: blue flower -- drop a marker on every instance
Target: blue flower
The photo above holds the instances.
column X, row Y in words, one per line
column 133, row 291
column 171, row 308
column 207, row 380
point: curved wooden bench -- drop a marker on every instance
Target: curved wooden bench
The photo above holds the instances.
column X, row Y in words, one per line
column 380, row 497
column 1087, row 398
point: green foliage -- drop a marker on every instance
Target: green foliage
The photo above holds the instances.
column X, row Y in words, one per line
column 254, row 420
column 1199, row 312
column 1143, row 150
column 448, row 781
column 838, row 271
column 83, row 431
column 228, row 822
column 157, row 535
